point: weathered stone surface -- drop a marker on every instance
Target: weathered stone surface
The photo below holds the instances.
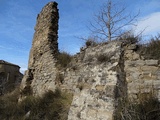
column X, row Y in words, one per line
column 97, row 101
column 86, row 107
column 140, row 62
column 42, row 59
column 151, row 62
column 142, row 76
column 97, row 84
column 149, row 68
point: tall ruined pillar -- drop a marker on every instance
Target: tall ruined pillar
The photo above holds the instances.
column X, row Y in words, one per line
column 40, row 75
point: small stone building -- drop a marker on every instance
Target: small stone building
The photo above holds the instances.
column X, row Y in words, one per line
column 10, row 77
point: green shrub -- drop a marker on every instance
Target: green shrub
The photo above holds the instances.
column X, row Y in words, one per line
column 103, row 58
column 91, row 41
column 63, row 59
column 59, row 78
column 151, row 50
column 52, row 106
column 130, row 38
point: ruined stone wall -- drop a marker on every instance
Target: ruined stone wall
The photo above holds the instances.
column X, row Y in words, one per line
column 142, row 75
column 41, row 71
column 96, row 83
column 98, row 86
column 97, row 80
column 99, row 76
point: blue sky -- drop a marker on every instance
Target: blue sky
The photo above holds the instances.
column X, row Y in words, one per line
column 18, row 18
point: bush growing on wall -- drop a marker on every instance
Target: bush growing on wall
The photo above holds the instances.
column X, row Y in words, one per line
column 63, row 59
column 151, row 50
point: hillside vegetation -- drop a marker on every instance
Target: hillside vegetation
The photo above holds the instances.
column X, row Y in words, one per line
column 52, row 106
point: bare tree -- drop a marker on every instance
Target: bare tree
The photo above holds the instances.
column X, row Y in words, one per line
column 112, row 21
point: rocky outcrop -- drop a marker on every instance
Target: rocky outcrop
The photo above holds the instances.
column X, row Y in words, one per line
column 41, row 69
column 10, row 77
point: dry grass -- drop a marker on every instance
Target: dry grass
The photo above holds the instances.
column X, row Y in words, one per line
column 146, row 108
column 52, row 106
column 151, row 50
column 63, row 59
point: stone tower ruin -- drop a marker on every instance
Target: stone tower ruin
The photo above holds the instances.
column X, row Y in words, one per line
column 41, row 71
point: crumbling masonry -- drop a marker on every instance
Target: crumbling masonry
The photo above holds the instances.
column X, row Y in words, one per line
column 97, row 84
column 41, row 69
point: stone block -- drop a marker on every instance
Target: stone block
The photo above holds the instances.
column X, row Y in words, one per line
column 129, row 79
column 110, row 91
column 151, row 62
column 148, row 83
column 135, row 75
column 132, row 69
column 104, row 115
column 139, row 62
column 100, row 87
column 132, row 97
column 129, row 63
column 156, row 84
column 149, row 68
column 133, row 91
column 91, row 113
column 157, row 73
column 135, row 56
column 128, row 54
column 145, row 90
column 146, row 78
column 158, row 95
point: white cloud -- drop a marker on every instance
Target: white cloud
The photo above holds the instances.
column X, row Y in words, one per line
column 150, row 24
